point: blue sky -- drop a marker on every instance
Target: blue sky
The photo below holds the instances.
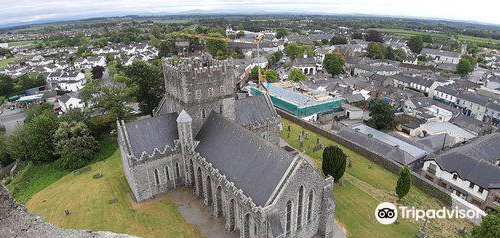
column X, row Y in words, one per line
column 26, row 11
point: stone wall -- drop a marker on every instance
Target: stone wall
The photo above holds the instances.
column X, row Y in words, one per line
column 417, row 179
column 15, row 221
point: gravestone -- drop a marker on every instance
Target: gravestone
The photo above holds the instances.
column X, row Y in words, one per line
column 113, row 201
column 350, row 163
column 97, row 176
column 66, row 212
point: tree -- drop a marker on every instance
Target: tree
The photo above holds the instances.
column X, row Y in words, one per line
column 6, row 85
column 466, row 65
column 415, row 44
column 376, row 51
column 334, row 63
column 217, row 48
column 271, row 76
column 16, row 144
column 146, row 80
column 167, row 47
column 404, row 182
column 374, row 36
column 295, row 50
column 282, row 32
column 254, row 73
column 275, row 58
column 490, row 226
column 296, row 75
column 28, row 81
column 97, row 72
column 40, row 136
column 338, row 40
column 382, row 114
column 357, row 35
column 334, row 162
column 74, row 144
column 111, row 98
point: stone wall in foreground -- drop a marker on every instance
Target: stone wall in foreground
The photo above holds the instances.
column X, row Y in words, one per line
column 16, row 222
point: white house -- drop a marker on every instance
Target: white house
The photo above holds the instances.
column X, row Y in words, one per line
column 70, row 101
column 462, row 171
column 441, row 56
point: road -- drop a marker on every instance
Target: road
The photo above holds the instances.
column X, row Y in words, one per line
column 12, row 119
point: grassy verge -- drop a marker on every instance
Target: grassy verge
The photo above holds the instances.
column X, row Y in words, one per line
column 365, row 186
column 87, row 200
column 482, row 42
column 20, row 43
column 33, row 178
column 5, row 62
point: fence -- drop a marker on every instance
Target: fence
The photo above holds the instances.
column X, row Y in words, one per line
column 418, row 180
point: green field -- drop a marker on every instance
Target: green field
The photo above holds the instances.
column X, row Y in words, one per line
column 484, row 42
column 20, row 43
column 365, row 186
column 3, row 63
column 87, row 200
column 32, row 178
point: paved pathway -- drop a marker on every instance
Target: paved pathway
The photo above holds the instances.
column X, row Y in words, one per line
column 198, row 215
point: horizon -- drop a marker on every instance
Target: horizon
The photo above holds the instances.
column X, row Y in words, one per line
column 30, row 12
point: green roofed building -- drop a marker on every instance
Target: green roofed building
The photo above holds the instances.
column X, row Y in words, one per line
column 300, row 104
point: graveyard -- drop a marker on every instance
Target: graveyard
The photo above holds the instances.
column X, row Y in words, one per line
column 364, row 186
column 98, row 199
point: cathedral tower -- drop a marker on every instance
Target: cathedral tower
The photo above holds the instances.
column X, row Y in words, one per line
column 198, row 86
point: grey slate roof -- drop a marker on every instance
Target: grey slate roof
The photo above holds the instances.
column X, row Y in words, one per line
column 427, row 51
column 155, row 132
column 252, row 163
column 475, row 161
column 253, row 109
column 376, row 146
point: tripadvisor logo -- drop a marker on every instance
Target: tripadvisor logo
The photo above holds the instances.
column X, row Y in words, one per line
column 387, row 213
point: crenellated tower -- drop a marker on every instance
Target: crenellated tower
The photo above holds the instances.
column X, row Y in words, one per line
column 198, row 86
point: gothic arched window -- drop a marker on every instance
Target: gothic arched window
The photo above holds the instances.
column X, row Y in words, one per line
column 310, row 205
column 157, row 177
column 167, row 174
column 177, row 170
column 299, row 207
column 288, row 225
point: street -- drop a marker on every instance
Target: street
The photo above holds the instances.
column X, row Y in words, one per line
column 11, row 119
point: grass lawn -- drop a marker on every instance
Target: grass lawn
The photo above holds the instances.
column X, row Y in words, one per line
column 34, row 177
column 4, row 62
column 87, row 200
column 365, row 186
column 20, row 43
column 493, row 43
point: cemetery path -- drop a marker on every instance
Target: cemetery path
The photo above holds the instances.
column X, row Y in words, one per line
column 197, row 214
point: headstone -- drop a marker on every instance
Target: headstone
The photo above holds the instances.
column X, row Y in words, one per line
column 66, row 212
column 112, row 201
column 307, row 135
column 350, row 163
column 288, row 128
column 97, row 176
column 317, row 141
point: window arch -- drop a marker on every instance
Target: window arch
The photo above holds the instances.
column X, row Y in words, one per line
column 157, row 177
column 177, row 170
column 288, row 224
column 299, row 207
column 210, row 92
column 167, row 173
column 310, row 205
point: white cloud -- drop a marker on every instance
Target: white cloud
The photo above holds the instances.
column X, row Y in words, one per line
column 31, row 10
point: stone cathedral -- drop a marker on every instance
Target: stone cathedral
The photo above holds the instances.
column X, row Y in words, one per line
column 227, row 150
